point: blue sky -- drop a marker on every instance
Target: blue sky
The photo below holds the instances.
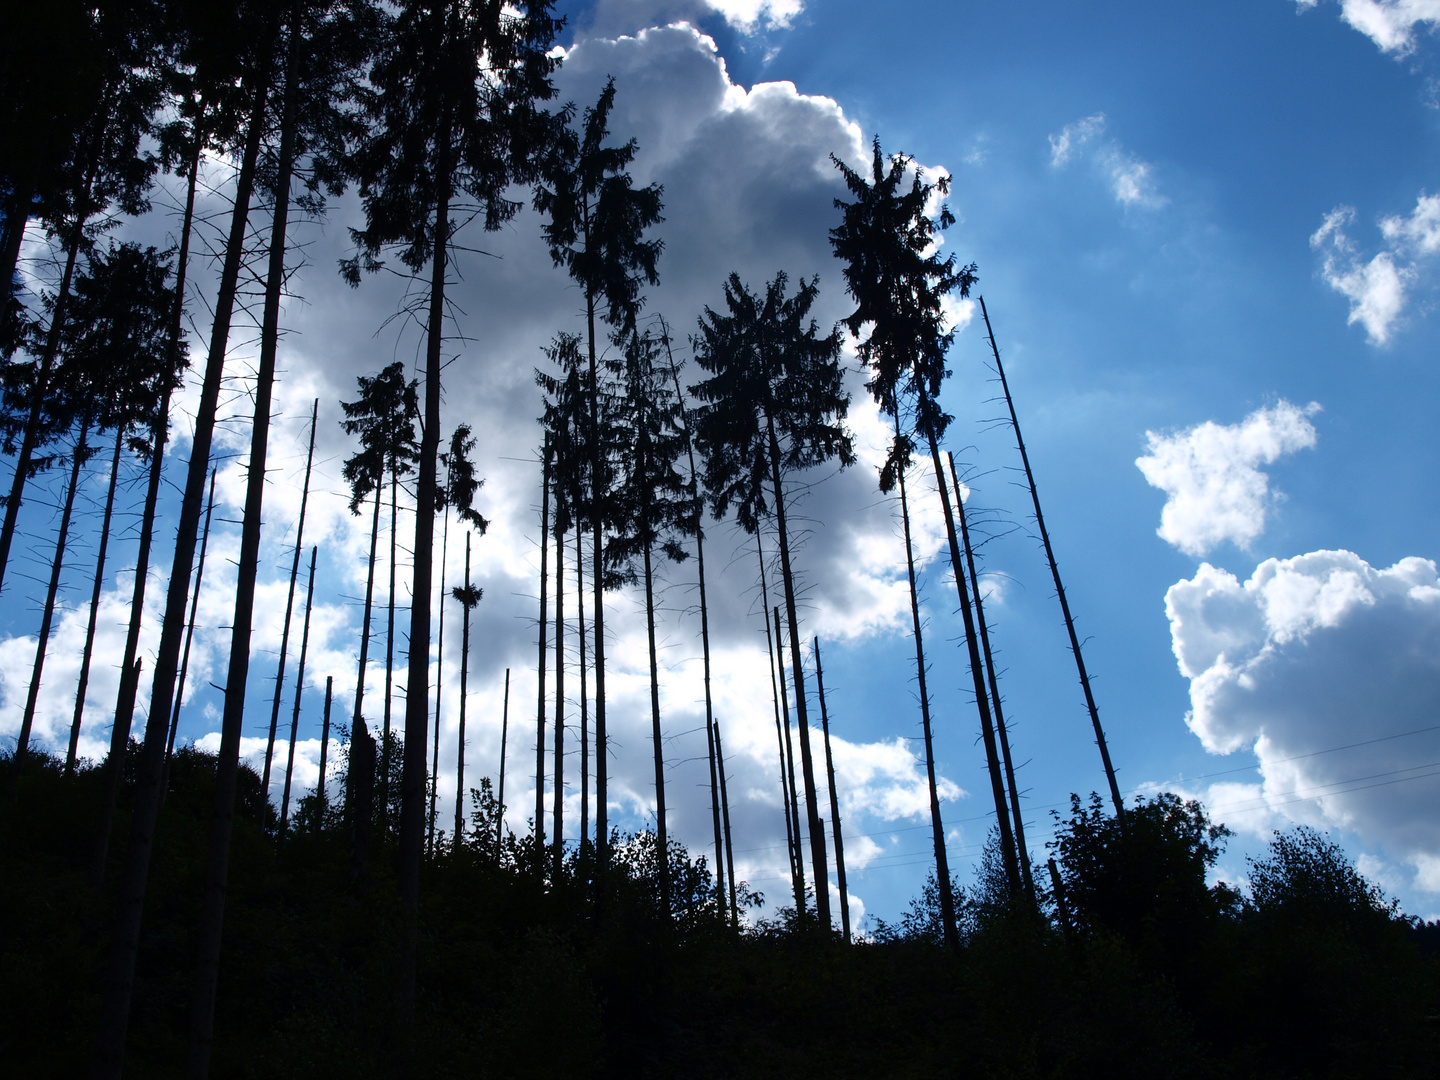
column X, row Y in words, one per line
column 1176, row 210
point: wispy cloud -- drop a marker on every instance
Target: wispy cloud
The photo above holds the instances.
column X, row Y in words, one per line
column 1130, row 179
column 1378, row 287
column 1210, row 473
column 1391, row 24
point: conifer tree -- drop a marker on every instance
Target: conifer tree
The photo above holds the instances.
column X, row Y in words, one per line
column 455, row 114
column 469, row 597
column 595, row 227
column 299, row 689
column 775, row 404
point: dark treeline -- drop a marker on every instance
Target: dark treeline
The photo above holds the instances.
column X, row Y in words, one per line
column 169, row 914
column 1130, row 964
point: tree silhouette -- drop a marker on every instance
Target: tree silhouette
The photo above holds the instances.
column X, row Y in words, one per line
column 455, row 113
column 775, row 404
column 886, row 241
column 595, row 227
column 654, row 509
column 469, row 597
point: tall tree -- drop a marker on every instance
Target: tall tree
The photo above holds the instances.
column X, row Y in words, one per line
column 504, row 740
column 115, row 1007
column 189, row 634
column 384, row 417
column 654, row 510
column 887, row 243
column 1090, row 706
column 725, row 815
column 787, row 793
column 290, row 604
column 458, row 494
column 543, row 645
column 456, row 112
column 787, row 752
column 776, row 404
column 469, row 597
column 595, row 227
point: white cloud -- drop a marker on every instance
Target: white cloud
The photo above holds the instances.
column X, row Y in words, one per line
column 1375, row 288
column 1391, row 24
column 611, row 18
column 1216, row 491
column 1130, row 179
column 1329, row 669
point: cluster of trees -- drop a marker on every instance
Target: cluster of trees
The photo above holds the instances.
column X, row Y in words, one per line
column 440, row 114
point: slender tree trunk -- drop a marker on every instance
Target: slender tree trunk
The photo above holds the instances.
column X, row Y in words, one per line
column 544, row 642
column 504, row 741
column 439, row 676
column 159, row 433
column 417, row 700
column 725, row 814
column 360, row 803
column 710, row 728
column 115, row 1007
column 597, row 574
column 789, row 750
column 324, row 755
column 662, row 838
column 48, row 355
column 584, row 689
column 977, row 676
column 937, row 825
column 212, row 919
column 1115, row 798
column 357, row 722
column 557, row 838
column 994, row 685
column 834, row 799
column 299, row 689
column 386, row 739
column 289, row 606
column 792, row 841
column 189, row 637
column 812, row 807
column 17, row 216
column 47, row 619
column 464, row 690
column 95, row 591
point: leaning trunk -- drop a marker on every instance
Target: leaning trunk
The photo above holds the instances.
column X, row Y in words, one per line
column 557, row 838
column 439, row 678
column 1115, row 798
column 725, row 813
column 357, row 722
column 584, row 689
column 937, row 825
column 792, row 840
column 504, row 741
column 212, row 918
column 544, row 641
column 597, row 574
column 464, row 690
column 385, row 739
column 94, row 603
column 834, row 799
column 189, row 637
column 47, row 619
column 115, row 1005
column 299, row 689
column 789, row 763
column 661, row 836
column 994, row 685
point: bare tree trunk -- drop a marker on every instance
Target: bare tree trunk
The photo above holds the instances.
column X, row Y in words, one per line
column 584, row 689
column 299, row 689
column 160, row 430
column 977, row 676
column 937, row 825
column 994, row 684
column 390, row 665
column 662, row 837
column 1115, row 798
column 557, row 837
column 504, row 740
column 289, row 606
column 212, row 919
column 464, row 690
column 819, row 862
column 189, row 636
column 417, row 686
column 597, row 575
column 357, row 722
column 834, row 799
column 77, row 455
column 725, row 811
column 792, row 839
column 95, row 591
column 800, row 905
column 324, row 755
column 439, row 676
column 544, row 641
